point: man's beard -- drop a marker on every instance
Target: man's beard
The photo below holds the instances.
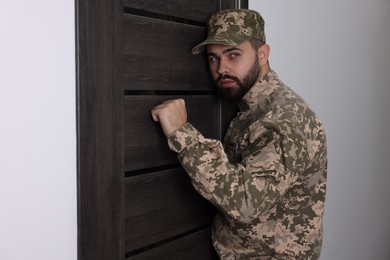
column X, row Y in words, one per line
column 235, row 93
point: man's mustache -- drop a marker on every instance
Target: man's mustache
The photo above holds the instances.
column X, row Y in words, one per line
column 226, row 76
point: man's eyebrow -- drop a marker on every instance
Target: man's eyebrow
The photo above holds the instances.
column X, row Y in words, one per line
column 231, row 49
column 225, row 51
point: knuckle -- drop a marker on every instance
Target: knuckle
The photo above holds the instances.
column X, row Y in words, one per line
column 181, row 101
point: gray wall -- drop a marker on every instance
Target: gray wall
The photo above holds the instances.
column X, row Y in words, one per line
column 336, row 54
column 37, row 130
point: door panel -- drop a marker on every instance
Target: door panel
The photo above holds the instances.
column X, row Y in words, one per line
column 198, row 10
column 161, row 207
column 145, row 145
column 194, row 246
column 157, row 55
column 159, row 203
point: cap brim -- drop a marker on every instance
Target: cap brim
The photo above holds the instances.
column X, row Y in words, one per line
column 202, row 46
column 218, row 40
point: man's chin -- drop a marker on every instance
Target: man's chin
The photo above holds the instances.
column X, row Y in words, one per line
column 230, row 95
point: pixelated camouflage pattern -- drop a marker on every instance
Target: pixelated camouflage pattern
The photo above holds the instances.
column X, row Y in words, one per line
column 268, row 180
column 233, row 27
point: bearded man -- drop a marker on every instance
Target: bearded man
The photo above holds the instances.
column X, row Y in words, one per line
column 268, row 178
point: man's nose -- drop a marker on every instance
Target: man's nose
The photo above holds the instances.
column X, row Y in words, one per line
column 223, row 67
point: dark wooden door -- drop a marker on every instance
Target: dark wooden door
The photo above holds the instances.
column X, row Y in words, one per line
column 134, row 199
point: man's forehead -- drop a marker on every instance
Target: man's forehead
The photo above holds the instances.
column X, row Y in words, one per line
column 221, row 48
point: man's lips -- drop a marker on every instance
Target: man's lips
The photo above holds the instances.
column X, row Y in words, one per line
column 227, row 83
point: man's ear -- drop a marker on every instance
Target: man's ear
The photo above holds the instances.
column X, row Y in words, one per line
column 263, row 54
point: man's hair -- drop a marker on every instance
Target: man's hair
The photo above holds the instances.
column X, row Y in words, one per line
column 256, row 44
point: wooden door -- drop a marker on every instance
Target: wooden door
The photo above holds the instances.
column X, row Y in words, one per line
column 134, row 199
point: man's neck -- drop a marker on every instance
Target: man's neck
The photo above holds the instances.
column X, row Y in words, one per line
column 264, row 70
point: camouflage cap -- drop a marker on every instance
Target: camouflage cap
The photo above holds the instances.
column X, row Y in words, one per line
column 233, row 27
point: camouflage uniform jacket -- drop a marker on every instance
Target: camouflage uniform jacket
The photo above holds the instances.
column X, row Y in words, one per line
column 268, row 180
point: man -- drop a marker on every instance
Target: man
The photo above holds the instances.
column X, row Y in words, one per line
column 268, row 180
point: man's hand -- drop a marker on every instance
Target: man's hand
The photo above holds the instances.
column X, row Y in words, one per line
column 171, row 114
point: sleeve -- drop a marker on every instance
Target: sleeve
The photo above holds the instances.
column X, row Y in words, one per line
column 272, row 161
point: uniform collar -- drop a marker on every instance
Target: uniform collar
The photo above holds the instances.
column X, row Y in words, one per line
column 261, row 94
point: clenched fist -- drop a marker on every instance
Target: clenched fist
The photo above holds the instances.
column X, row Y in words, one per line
column 171, row 114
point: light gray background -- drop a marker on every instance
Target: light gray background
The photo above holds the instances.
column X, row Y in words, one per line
column 334, row 53
column 38, row 218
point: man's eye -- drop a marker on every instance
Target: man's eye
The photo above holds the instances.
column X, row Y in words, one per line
column 234, row 55
column 213, row 59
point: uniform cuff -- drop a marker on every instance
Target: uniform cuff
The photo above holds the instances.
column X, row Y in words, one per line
column 182, row 137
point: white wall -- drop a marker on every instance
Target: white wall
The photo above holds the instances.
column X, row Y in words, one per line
column 37, row 130
column 336, row 54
